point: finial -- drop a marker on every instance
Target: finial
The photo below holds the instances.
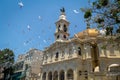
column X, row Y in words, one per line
column 62, row 10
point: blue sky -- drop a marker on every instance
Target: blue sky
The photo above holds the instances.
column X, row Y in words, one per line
column 33, row 25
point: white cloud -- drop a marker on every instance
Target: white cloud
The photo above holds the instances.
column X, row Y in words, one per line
column 75, row 11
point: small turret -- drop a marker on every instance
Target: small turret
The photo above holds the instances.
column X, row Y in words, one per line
column 62, row 24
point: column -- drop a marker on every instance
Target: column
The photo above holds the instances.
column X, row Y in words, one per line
column 41, row 76
column 65, row 75
column 58, row 76
column 75, row 75
column 46, row 76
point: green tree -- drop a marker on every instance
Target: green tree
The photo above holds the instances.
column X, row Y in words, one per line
column 6, row 55
column 104, row 14
column 6, row 61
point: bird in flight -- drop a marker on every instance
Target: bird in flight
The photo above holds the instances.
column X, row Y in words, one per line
column 20, row 4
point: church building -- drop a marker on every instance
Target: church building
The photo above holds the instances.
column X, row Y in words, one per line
column 86, row 56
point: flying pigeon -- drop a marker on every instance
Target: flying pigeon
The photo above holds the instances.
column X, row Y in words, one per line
column 20, row 4
column 28, row 27
column 75, row 11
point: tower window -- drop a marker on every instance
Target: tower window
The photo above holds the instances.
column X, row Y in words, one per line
column 59, row 28
column 80, row 73
column 58, row 37
column 62, row 54
column 79, row 51
column 65, row 28
column 64, row 36
column 57, row 55
column 86, row 77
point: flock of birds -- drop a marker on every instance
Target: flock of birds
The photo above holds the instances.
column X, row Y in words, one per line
column 21, row 5
column 31, row 39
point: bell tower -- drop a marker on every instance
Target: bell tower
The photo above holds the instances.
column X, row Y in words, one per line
column 62, row 32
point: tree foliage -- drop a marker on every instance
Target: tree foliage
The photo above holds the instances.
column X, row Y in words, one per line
column 104, row 14
column 6, row 56
column 6, row 61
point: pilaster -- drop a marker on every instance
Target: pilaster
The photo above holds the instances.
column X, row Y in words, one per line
column 75, row 75
column 65, row 75
column 46, row 76
column 58, row 76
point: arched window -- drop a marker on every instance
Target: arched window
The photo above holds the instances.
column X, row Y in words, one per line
column 58, row 36
column 64, row 36
column 80, row 73
column 44, row 76
column 62, row 54
column 58, row 28
column 95, row 56
column 79, row 51
column 62, row 77
column 70, row 74
column 55, row 75
column 57, row 55
column 50, row 76
column 65, row 28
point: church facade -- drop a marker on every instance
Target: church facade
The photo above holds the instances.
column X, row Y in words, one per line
column 86, row 56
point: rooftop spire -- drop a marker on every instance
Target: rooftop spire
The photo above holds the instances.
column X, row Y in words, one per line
column 62, row 16
column 62, row 10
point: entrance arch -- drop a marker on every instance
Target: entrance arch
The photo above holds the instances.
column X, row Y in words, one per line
column 70, row 74
column 50, row 76
column 62, row 75
column 44, row 76
column 55, row 75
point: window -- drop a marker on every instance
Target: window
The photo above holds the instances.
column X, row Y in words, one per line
column 65, row 28
column 64, row 36
column 58, row 28
column 70, row 51
column 85, row 72
column 79, row 51
column 57, row 55
column 86, row 77
column 58, row 36
column 80, row 73
column 26, row 66
column 62, row 54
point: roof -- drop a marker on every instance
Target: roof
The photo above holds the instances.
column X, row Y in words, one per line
column 88, row 33
column 60, row 42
